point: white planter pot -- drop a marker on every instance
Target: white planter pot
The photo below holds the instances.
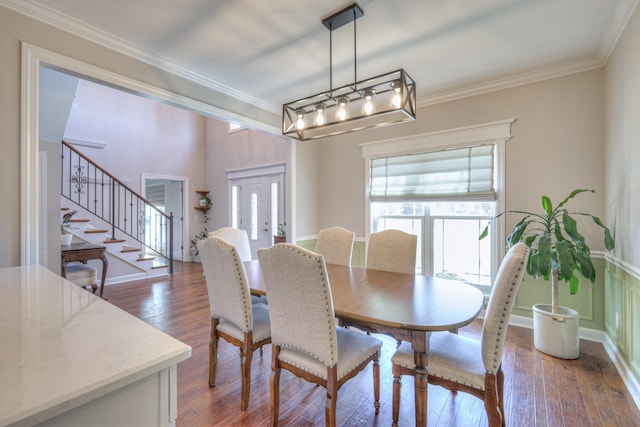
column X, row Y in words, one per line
column 65, row 239
column 556, row 334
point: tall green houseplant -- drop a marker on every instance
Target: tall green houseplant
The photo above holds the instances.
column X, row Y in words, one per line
column 557, row 249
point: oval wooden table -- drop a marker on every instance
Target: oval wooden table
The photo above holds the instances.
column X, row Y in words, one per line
column 409, row 307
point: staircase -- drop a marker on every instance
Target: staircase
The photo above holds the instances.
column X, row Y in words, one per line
column 141, row 265
column 112, row 215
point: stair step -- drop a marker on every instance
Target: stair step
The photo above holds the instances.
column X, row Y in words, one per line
column 114, row 241
column 79, row 220
column 95, row 231
column 158, row 265
column 145, row 258
column 129, row 250
column 64, row 209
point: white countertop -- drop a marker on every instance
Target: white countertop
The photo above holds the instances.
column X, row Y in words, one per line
column 61, row 346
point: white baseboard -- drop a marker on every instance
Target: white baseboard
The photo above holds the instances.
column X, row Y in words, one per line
column 621, row 366
column 612, row 351
column 125, row 278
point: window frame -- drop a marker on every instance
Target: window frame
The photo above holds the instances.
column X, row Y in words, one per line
column 498, row 133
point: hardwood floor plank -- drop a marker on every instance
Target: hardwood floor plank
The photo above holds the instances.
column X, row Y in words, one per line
column 540, row 390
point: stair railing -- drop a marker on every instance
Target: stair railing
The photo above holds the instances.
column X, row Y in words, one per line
column 128, row 213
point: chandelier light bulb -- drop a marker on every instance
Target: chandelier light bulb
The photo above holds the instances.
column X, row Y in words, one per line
column 320, row 118
column 300, row 120
column 342, row 108
column 368, row 102
column 396, row 95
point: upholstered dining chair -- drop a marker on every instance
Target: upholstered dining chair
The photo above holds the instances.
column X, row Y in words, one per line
column 336, row 245
column 305, row 340
column 240, row 240
column 458, row 363
column 233, row 316
column 392, row 250
column 236, row 237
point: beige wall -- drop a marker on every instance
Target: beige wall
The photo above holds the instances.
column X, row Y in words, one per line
column 622, row 149
column 557, row 146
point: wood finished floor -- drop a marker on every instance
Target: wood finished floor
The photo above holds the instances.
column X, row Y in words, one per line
column 540, row 390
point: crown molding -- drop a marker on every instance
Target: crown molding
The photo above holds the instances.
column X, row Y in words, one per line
column 546, row 73
column 80, row 29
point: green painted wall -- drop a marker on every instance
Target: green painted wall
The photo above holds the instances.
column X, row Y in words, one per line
column 622, row 296
column 589, row 301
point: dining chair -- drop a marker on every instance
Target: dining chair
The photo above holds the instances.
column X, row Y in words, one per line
column 392, row 250
column 240, row 240
column 233, row 317
column 305, row 340
column 236, row 237
column 459, row 363
column 336, row 245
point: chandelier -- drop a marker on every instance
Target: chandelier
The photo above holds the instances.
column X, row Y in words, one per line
column 382, row 100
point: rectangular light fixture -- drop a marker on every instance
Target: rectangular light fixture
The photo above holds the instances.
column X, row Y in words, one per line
column 378, row 101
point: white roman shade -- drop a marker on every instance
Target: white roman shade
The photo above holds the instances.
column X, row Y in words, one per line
column 456, row 174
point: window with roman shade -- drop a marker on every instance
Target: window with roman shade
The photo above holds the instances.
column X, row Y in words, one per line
column 445, row 175
column 444, row 187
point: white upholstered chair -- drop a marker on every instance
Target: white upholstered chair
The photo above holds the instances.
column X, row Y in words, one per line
column 392, row 250
column 82, row 275
column 305, row 340
column 458, row 363
column 236, row 237
column 240, row 240
column 336, row 245
column 233, row 316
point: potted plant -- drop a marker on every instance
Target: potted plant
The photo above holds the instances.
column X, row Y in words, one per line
column 205, row 201
column 65, row 226
column 194, row 244
column 281, row 237
column 557, row 253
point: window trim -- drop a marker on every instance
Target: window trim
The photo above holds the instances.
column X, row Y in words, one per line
column 497, row 132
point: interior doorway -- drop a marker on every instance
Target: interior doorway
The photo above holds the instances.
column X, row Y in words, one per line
column 167, row 193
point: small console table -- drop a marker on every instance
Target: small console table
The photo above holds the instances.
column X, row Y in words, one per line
column 84, row 252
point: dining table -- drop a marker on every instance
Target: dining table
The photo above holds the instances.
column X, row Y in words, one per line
column 409, row 307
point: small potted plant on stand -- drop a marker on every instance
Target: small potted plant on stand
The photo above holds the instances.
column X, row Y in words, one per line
column 558, row 252
column 281, row 237
column 65, row 226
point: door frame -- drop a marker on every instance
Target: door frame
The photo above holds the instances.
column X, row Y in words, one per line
column 32, row 58
column 276, row 170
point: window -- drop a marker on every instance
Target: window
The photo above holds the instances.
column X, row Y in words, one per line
column 444, row 188
column 235, row 127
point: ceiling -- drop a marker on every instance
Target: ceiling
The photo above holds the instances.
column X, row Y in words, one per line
column 269, row 52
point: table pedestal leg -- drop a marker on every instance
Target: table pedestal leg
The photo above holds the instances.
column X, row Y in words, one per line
column 420, row 344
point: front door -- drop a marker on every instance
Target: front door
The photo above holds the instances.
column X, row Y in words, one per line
column 254, row 212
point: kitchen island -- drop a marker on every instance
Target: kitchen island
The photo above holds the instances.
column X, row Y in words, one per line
column 70, row 358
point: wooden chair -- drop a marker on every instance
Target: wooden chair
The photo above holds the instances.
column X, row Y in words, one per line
column 392, row 250
column 240, row 240
column 233, row 316
column 458, row 363
column 305, row 340
column 336, row 245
